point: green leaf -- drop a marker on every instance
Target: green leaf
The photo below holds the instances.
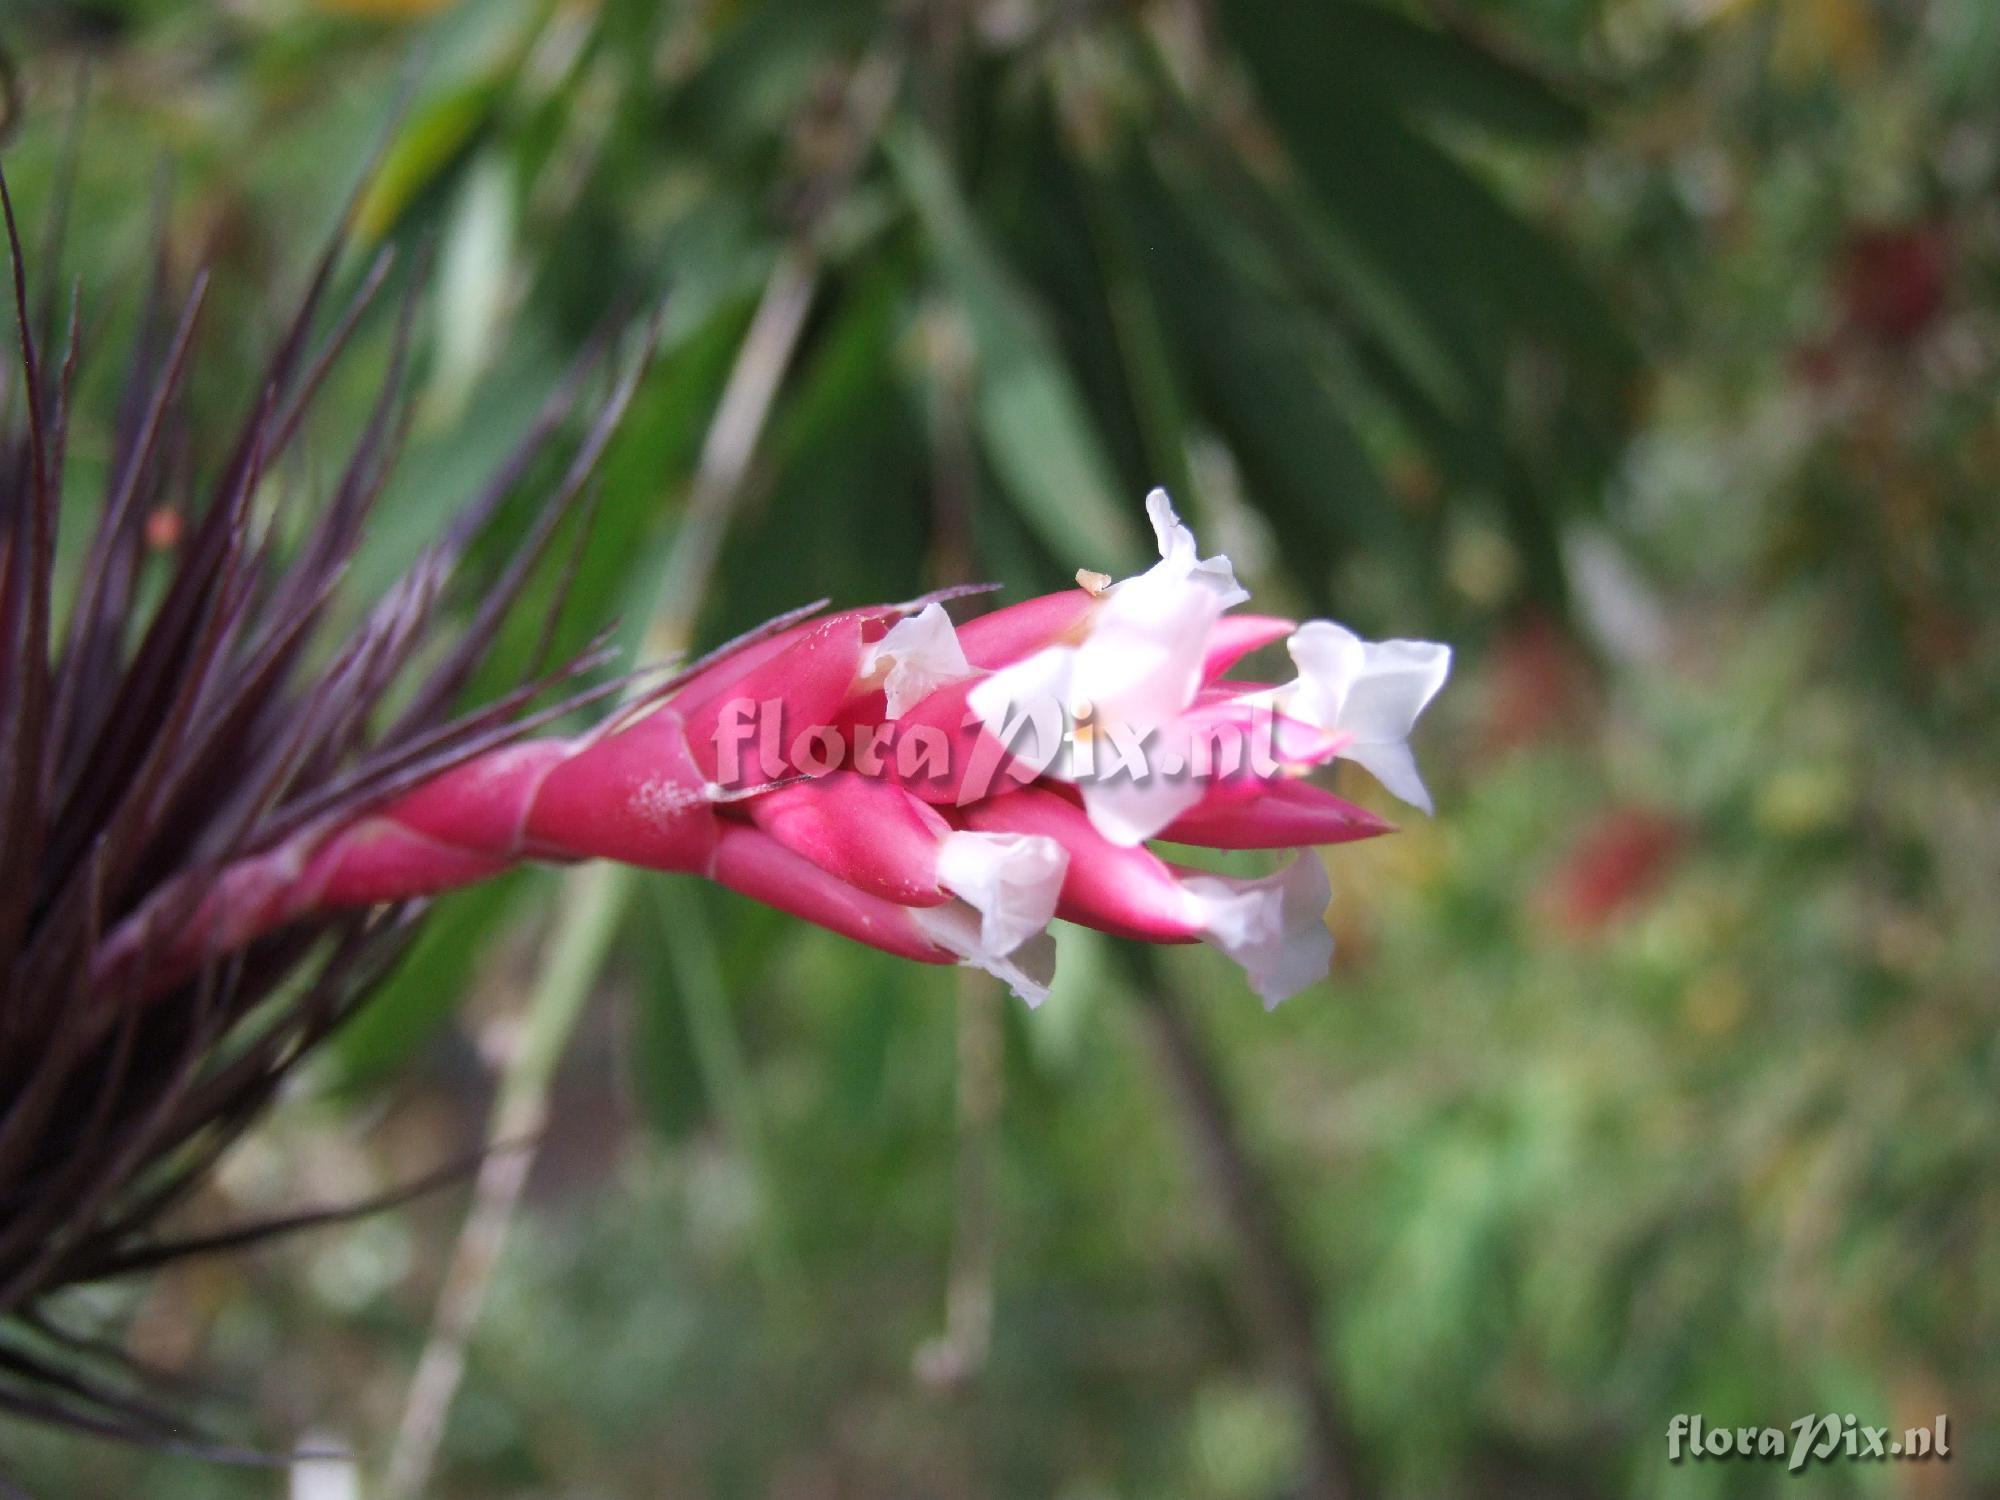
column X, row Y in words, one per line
column 1264, row 372
column 439, row 135
column 662, row 1062
column 845, row 452
column 765, row 59
column 1035, row 427
column 1414, row 215
column 1368, row 48
column 474, row 274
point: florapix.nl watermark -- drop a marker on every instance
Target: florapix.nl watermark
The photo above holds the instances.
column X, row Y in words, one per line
column 757, row 743
column 1825, row 1437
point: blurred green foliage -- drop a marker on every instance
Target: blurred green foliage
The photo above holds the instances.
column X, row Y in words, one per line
column 1646, row 350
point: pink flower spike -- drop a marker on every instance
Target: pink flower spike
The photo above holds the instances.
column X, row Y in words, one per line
column 484, row 803
column 636, row 796
column 751, row 862
column 805, row 684
column 1006, row 635
column 937, row 791
column 1236, row 636
column 869, row 833
column 876, row 836
column 1283, row 814
column 379, row 860
column 722, row 675
column 1128, row 892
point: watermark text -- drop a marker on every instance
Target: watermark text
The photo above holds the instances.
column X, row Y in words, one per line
column 1825, row 1437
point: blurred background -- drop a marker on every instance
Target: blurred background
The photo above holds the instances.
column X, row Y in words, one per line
column 1646, row 350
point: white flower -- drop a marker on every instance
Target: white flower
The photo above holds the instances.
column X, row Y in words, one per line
column 1028, row 970
column 1006, row 885
column 1275, row 927
column 1370, row 690
column 1179, row 559
column 1128, row 810
column 1011, row 879
column 918, row 655
column 1136, row 671
column 1140, row 665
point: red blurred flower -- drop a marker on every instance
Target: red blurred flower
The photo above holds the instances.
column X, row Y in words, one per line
column 1621, row 858
column 1893, row 279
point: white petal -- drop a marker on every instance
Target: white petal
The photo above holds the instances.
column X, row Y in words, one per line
column 1371, row 690
column 1129, row 810
column 1328, row 657
column 1274, row 927
column 1396, row 681
column 1011, row 879
column 1176, row 542
column 1180, row 558
column 1025, row 706
column 1136, row 671
column 1028, row 970
column 1395, row 767
column 919, row 654
column 1140, row 666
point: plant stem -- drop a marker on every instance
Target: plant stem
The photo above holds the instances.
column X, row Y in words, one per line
column 1274, row 1290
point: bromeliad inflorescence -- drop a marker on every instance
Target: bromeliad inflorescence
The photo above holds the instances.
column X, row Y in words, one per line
column 941, row 792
